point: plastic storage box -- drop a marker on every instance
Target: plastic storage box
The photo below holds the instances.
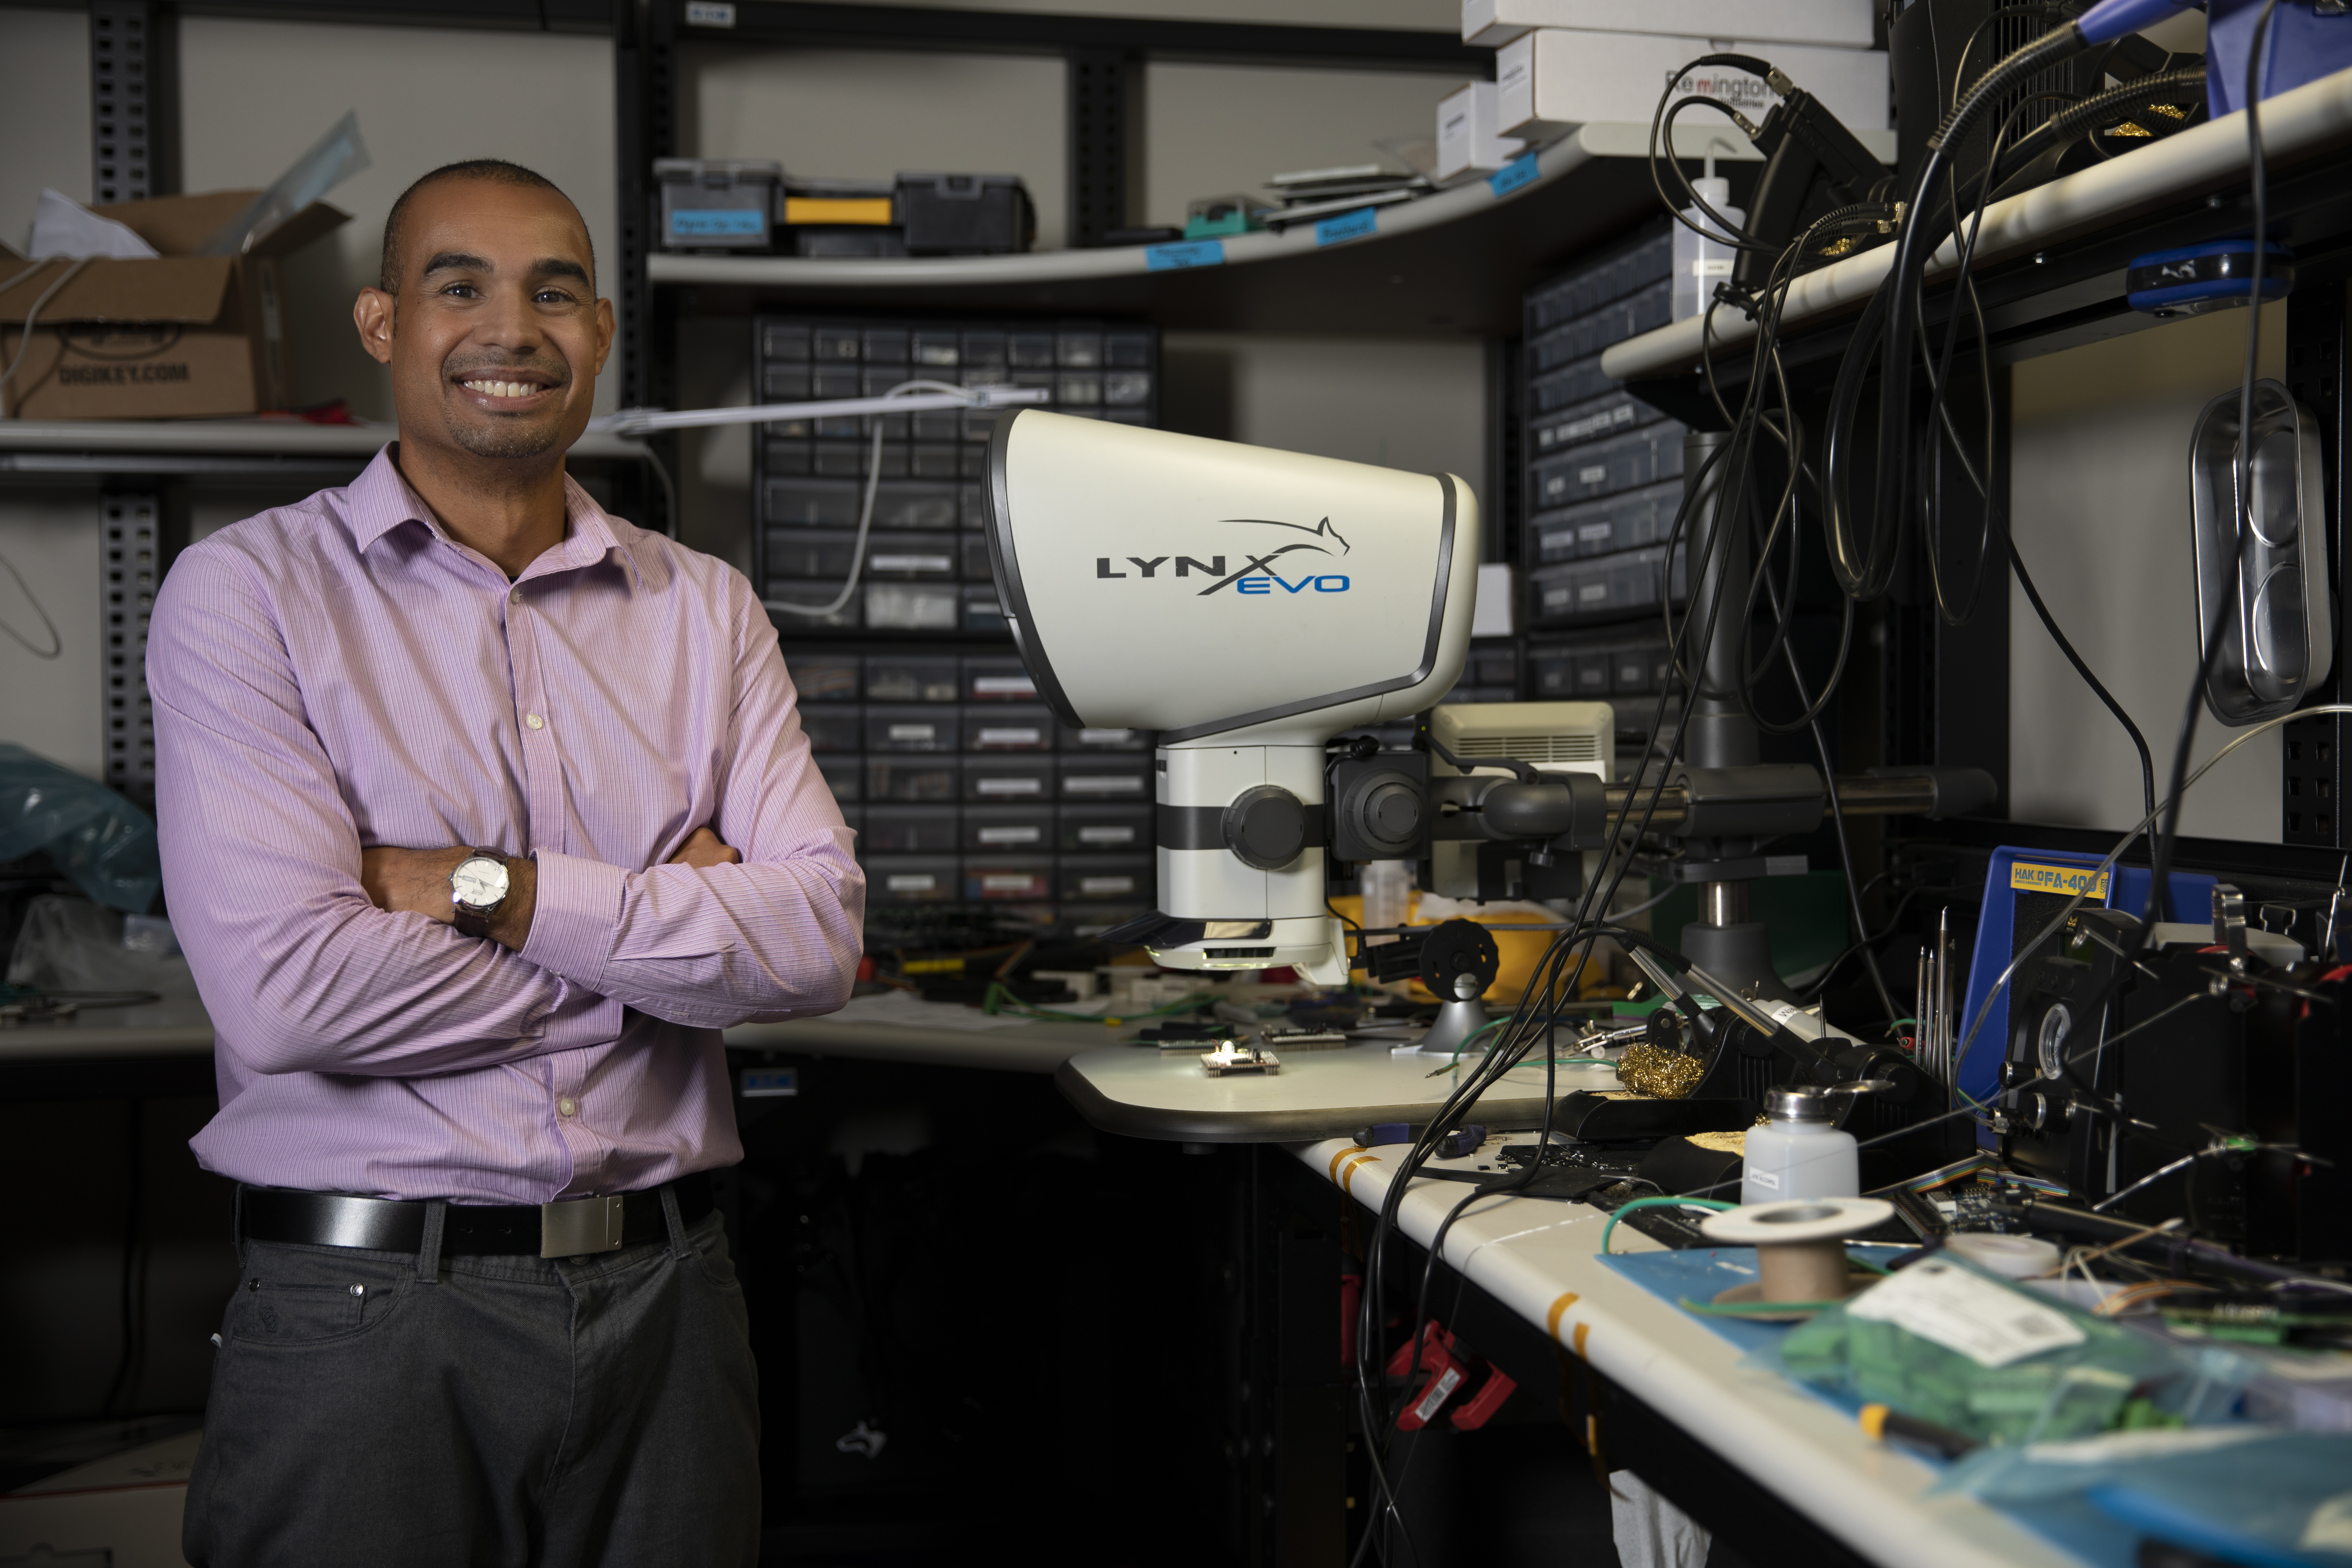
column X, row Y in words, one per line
column 965, row 215
column 716, row 203
column 911, row 830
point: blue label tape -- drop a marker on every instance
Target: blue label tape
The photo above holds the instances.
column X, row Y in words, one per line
column 1196, row 253
column 1348, row 226
column 770, row 1083
column 1513, row 175
column 718, row 223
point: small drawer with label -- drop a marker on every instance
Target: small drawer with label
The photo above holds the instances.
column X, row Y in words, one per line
column 1106, row 780
column 831, row 729
column 910, row 779
column 1010, row 780
column 913, row 607
column 1008, row 879
column 1095, row 739
column 909, row 727
column 909, row 678
column 913, row 880
column 1104, row 829
column 910, row 829
column 912, row 557
column 1002, row 829
column 1097, row 878
column 826, row 677
column 997, row 680
column 1008, row 727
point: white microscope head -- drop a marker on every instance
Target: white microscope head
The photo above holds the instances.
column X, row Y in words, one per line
column 1162, row 582
column 1247, row 604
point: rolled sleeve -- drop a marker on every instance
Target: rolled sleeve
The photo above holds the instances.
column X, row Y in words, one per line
column 576, row 917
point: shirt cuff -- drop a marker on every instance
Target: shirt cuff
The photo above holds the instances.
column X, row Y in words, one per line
column 576, row 917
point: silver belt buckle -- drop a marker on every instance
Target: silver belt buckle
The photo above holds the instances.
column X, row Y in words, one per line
column 574, row 1227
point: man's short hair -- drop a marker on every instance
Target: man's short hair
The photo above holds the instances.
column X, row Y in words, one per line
column 496, row 172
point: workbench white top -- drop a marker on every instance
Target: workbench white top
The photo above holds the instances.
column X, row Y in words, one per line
column 1538, row 1258
column 1167, row 1094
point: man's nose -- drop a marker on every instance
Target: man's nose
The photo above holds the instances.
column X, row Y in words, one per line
column 510, row 322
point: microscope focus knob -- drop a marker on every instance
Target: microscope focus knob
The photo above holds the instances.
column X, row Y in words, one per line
column 1265, row 827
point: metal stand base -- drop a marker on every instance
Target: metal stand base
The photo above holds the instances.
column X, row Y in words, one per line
column 1456, row 1022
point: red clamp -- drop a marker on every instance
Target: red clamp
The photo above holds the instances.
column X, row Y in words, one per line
column 1464, row 1387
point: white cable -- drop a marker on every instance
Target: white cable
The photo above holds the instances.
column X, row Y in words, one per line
column 864, row 512
column 33, row 315
column 57, row 643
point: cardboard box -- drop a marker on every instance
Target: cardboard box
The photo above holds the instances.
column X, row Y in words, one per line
column 1466, row 139
column 1552, row 78
column 1837, row 24
column 182, row 336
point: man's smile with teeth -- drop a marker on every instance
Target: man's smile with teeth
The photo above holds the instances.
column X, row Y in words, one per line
column 503, row 389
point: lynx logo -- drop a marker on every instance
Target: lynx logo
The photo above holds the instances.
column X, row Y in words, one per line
column 1258, row 573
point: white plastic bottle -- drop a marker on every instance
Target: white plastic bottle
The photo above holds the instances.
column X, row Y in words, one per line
column 1799, row 1153
column 1702, row 261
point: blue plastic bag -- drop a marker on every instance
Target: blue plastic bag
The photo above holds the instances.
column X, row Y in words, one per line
column 100, row 840
column 2245, row 1494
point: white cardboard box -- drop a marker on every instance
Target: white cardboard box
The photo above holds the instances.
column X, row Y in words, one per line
column 1553, row 77
column 123, row 1510
column 1837, row 24
column 1466, row 137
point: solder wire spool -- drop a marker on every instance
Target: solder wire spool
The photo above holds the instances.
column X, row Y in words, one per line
column 1801, row 1261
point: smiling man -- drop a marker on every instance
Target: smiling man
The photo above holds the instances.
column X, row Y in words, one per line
column 483, row 812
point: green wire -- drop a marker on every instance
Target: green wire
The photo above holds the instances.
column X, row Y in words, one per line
column 1624, row 1209
column 998, row 1000
column 1753, row 1308
column 1456, row 1062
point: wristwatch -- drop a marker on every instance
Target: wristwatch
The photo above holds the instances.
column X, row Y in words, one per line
column 478, row 890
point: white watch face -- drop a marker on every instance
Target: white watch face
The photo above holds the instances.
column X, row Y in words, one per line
column 478, row 883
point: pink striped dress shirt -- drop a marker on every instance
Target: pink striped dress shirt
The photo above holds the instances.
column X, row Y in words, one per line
column 342, row 674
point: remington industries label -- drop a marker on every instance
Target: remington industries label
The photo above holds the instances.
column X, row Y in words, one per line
column 120, row 375
column 2067, row 879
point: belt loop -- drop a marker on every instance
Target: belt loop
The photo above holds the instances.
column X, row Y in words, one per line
column 428, row 1257
column 678, row 1246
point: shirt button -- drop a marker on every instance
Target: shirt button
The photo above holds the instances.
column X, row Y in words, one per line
column 534, row 721
column 567, row 1106
column 515, row 597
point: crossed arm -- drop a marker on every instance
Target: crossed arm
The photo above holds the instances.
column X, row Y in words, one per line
column 303, row 939
column 416, row 881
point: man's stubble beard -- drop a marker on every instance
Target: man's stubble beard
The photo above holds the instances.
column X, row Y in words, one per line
column 507, row 441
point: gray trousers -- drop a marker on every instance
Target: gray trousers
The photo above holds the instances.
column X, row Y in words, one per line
column 515, row 1412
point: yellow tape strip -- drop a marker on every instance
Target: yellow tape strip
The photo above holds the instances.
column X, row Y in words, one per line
column 1347, row 1173
column 1552, row 1325
column 837, row 209
column 1577, row 1344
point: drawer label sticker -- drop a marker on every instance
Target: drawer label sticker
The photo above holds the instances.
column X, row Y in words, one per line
column 1173, row 257
column 1518, row 171
column 1356, row 224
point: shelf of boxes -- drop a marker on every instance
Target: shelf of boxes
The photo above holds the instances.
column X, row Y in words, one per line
column 1603, row 481
column 926, row 572
column 967, row 793
column 965, row 790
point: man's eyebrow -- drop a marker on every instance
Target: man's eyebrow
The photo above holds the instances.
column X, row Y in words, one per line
column 559, row 266
column 455, row 260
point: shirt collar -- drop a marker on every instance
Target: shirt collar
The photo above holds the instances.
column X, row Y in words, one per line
column 380, row 501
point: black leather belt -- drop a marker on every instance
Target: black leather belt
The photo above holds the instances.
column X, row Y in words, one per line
column 570, row 1228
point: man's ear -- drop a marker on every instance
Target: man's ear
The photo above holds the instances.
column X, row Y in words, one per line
column 373, row 312
column 604, row 329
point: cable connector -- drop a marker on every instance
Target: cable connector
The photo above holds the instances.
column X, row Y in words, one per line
column 1778, row 81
